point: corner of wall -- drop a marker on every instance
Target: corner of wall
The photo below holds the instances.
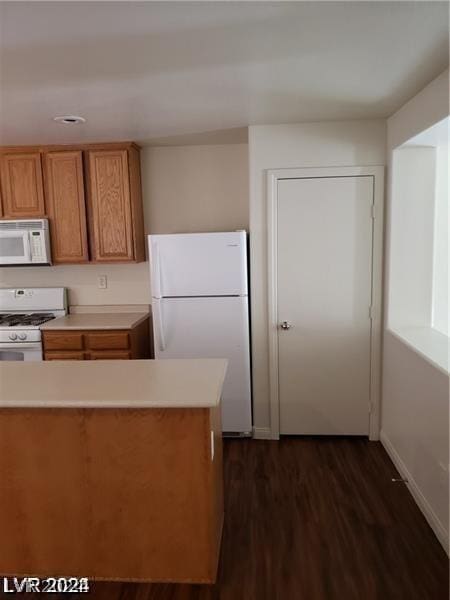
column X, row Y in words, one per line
column 414, row 489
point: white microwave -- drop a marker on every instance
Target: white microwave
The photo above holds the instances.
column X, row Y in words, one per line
column 25, row 242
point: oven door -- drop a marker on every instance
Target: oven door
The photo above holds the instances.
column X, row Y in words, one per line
column 14, row 247
column 23, row 352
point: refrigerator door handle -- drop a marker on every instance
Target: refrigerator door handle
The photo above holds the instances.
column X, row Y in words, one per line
column 160, row 325
column 157, row 267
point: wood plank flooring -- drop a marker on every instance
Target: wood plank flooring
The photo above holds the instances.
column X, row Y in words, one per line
column 312, row 519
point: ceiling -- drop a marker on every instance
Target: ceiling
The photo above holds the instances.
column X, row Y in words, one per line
column 173, row 72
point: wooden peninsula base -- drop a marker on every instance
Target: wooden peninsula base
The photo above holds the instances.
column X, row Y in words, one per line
column 111, row 493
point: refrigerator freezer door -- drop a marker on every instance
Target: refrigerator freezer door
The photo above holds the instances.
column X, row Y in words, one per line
column 198, row 264
column 210, row 328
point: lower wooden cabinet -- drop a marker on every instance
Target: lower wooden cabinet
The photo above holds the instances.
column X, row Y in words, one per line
column 63, row 340
column 98, row 344
column 114, row 340
column 110, row 355
column 64, row 355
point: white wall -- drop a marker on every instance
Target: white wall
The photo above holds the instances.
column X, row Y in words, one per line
column 127, row 284
column 415, row 426
column 419, row 229
column 412, row 232
column 343, row 143
column 195, row 188
column 186, row 188
column 441, row 284
column 415, row 403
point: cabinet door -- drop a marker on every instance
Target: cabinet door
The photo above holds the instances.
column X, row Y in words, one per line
column 110, row 355
column 110, row 206
column 22, row 189
column 66, row 207
column 63, row 340
column 64, row 356
column 102, row 340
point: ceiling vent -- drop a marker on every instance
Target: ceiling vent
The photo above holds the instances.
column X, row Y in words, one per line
column 69, row 119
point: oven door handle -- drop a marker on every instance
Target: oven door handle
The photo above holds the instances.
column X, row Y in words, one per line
column 18, row 347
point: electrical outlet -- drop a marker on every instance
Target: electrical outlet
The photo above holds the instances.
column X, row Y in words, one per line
column 102, row 282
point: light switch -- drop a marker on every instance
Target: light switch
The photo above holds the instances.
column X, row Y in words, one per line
column 102, row 282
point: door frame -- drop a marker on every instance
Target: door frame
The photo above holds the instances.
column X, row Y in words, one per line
column 273, row 176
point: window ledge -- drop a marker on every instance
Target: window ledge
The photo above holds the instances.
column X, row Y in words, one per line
column 431, row 344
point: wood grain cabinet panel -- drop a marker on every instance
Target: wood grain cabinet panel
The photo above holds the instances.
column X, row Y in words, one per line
column 63, row 340
column 66, row 208
column 116, row 340
column 110, row 355
column 22, row 187
column 65, row 355
column 118, row 344
column 105, row 226
column 137, row 206
column 110, row 206
column 125, row 494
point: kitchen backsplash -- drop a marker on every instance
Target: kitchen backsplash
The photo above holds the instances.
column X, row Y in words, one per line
column 108, row 308
column 126, row 284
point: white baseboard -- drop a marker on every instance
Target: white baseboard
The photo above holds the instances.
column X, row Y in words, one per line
column 262, row 433
column 435, row 524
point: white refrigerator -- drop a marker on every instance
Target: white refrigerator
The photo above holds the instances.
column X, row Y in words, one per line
column 200, row 310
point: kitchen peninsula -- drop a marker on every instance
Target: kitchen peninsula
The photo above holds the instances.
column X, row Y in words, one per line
column 111, row 469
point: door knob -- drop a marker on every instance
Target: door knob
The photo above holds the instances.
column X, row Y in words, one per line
column 285, row 325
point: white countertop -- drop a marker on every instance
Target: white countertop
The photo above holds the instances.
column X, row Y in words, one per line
column 193, row 383
column 125, row 320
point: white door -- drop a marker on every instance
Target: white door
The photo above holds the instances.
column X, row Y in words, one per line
column 324, row 265
column 198, row 264
column 210, row 328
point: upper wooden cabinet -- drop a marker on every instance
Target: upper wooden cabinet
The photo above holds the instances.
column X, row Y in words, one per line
column 110, row 206
column 66, row 210
column 93, row 198
column 115, row 205
column 22, row 188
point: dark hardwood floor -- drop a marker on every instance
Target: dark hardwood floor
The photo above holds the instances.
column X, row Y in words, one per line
column 313, row 519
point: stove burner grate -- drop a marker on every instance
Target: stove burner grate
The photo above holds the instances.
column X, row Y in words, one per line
column 23, row 320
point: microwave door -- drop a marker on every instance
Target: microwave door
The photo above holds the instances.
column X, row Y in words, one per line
column 15, row 247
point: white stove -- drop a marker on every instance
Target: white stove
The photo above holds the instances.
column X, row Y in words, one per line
column 22, row 312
